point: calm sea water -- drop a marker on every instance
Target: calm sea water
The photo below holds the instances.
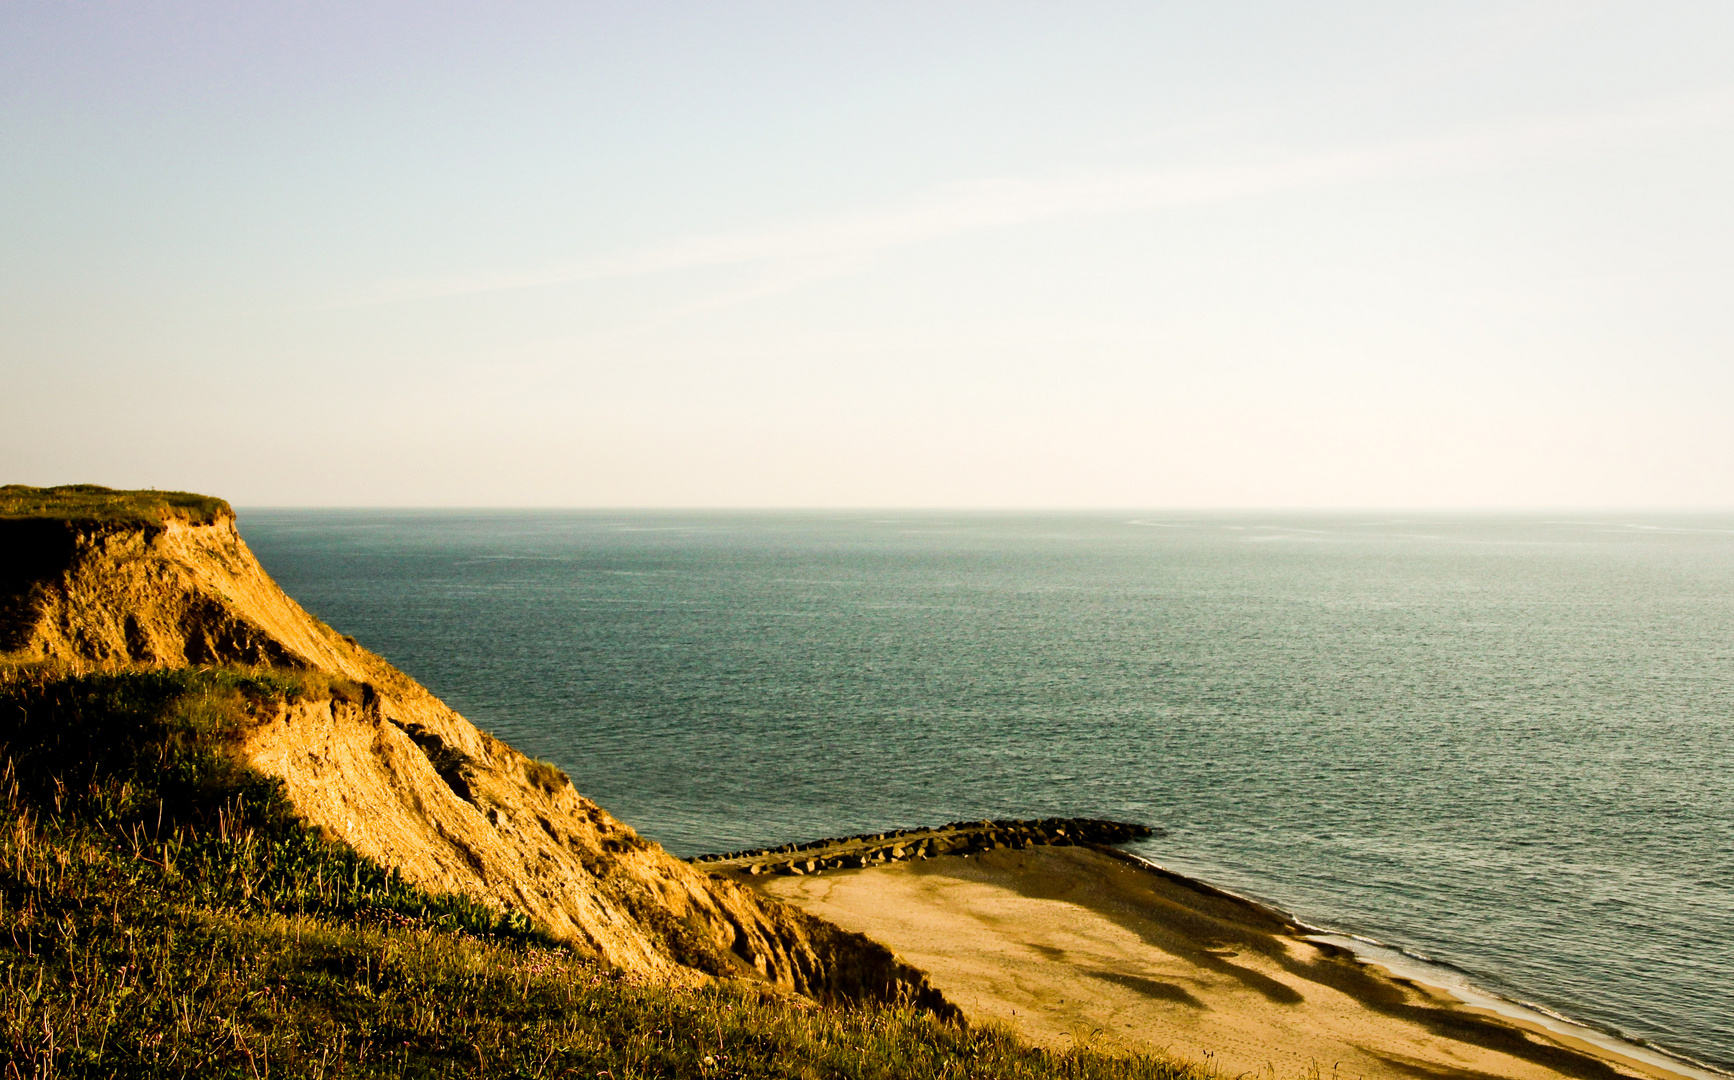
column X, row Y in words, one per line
column 1504, row 744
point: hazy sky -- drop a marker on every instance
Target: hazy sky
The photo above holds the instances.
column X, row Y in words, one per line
column 911, row 254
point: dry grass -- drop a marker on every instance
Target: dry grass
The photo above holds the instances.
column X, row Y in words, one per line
column 549, row 777
column 91, row 502
column 163, row 914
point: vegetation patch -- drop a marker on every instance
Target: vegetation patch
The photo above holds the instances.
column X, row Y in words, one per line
column 92, row 502
column 550, row 778
column 167, row 915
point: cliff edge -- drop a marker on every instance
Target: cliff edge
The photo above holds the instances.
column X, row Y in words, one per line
column 94, row 579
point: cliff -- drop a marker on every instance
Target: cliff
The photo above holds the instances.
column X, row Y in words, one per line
column 96, row 579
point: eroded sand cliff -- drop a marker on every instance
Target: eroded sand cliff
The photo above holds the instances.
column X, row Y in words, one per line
column 379, row 762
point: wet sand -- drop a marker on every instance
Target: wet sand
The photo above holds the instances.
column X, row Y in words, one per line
column 1070, row 945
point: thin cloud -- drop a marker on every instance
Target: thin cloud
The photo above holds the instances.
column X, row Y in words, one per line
column 977, row 206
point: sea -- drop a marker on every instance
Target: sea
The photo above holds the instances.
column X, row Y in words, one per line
column 1501, row 746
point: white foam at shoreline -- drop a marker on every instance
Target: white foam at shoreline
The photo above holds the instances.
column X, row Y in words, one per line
column 1407, row 966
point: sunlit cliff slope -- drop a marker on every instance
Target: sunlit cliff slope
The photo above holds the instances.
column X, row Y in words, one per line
column 92, row 579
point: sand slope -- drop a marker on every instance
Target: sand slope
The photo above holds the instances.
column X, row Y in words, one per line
column 1083, row 945
column 377, row 761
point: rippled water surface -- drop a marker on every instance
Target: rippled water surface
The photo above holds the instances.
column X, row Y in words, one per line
column 1505, row 744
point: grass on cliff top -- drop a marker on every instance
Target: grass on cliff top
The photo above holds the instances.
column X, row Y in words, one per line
column 166, row 915
column 91, row 502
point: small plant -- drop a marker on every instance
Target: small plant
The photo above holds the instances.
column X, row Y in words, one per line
column 546, row 776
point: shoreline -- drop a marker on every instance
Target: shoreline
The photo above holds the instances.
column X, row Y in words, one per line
column 1443, row 980
column 1092, row 943
column 1398, row 963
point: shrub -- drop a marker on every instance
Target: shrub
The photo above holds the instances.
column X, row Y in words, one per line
column 546, row 776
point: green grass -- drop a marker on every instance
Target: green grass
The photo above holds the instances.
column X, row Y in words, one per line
column 162, row 913
column 93, row 503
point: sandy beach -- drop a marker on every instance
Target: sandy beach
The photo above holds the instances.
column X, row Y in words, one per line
column 1074, row 945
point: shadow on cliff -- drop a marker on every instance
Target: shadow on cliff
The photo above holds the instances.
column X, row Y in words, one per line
column 111, row 600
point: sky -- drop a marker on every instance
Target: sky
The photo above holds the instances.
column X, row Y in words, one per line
column 1236, row 253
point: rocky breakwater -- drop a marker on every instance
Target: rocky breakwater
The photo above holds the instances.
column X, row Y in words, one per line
column 957, row 838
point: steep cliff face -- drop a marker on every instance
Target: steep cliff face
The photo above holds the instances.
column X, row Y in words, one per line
column 382, row 764
column 168, row 593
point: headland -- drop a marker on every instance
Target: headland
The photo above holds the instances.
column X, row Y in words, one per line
column 236, row 838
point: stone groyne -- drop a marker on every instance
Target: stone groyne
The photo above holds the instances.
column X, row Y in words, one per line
column 957, row 838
